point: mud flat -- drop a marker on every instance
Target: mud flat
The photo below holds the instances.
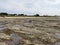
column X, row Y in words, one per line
column 30, row 30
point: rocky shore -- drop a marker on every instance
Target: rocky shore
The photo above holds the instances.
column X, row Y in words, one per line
column 30, row 31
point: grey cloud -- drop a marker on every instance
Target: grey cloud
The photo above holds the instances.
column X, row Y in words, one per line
column 30, row 6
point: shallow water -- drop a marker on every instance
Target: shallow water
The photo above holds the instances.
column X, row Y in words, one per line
column 16, row 39
column 57, row 36
column 2, row 27
column 57, row 43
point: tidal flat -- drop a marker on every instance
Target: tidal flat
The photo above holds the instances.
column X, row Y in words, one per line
column 29, row 30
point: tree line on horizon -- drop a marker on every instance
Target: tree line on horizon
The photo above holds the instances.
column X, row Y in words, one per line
column 2, row 14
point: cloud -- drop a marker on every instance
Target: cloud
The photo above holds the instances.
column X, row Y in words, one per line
column 30, row 6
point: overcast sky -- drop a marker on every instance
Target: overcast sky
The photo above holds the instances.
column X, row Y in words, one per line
column 30, row 6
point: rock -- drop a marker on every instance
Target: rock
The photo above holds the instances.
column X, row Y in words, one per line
column 8, row 31
column 15, row 27
column 4, row 36
column 3, row 43
column 28, row 25
column 48, row 39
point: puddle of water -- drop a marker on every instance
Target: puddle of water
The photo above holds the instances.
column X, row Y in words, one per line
column 1, row 27
column 57, row 43
column 57, row 35
column 16, row 38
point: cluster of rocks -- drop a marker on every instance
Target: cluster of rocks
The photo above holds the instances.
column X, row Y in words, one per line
column 28, row 32
column 26, row 36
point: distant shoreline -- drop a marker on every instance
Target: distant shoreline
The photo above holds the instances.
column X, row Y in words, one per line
column 29, row 17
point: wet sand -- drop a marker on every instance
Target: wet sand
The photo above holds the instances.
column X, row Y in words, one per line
column 30, row 30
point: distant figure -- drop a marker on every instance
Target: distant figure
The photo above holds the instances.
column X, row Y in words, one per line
column 30, row 21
